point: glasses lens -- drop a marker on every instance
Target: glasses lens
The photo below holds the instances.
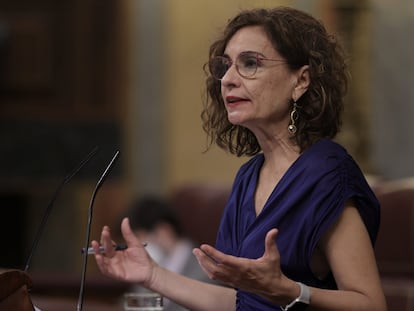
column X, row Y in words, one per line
column 247, row 64
column 219, row 66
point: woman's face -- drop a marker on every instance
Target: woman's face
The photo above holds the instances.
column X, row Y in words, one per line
column 261, row 102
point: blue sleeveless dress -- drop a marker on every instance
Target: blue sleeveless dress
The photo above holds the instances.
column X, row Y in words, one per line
column 305, row 203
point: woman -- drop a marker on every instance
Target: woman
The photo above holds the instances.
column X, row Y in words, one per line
column 298, row 229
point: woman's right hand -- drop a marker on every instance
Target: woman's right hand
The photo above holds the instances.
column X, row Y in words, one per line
column 131, row 265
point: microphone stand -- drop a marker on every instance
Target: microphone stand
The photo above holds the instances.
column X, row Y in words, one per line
column 88, row 229
column 52, row 201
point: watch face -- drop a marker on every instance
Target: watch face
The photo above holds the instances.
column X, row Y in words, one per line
column 298, row 306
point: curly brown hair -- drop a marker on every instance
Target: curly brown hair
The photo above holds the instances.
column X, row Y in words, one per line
column 301, row 40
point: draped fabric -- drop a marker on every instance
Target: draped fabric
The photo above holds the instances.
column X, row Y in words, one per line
column 304, row 204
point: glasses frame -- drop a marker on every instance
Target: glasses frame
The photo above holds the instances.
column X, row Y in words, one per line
column 226, row 60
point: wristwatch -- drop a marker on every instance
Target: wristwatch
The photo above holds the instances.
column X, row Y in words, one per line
column 300, row 303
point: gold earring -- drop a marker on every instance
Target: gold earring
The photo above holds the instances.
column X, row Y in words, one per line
column 294, row 115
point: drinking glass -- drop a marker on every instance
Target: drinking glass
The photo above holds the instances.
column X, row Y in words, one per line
column 143, row 302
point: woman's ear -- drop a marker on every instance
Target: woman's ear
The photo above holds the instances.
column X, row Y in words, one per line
column 302, row 82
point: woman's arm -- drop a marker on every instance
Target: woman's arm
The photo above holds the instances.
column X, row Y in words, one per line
column 348, row 252
column 192, row 294
column 136, row 266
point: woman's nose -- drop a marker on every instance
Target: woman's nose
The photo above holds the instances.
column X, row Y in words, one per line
column 231, row 77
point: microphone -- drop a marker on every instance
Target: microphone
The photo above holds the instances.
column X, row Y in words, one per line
column 88, row 229
column 52, row 201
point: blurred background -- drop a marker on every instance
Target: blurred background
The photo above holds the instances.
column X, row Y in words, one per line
column 127, row 75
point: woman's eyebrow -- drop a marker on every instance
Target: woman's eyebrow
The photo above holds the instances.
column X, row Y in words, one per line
column 256, row 53
column 245, row 52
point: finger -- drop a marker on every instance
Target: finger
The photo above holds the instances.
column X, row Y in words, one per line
column 212, row 267
column 128, row 234
column 105, row 234
column 203, row 260
column 95, row 246
column 107, row 242
column 210, row 252
column 219, row 257
column 97, row 252
column 99, row 258
column 270, row 243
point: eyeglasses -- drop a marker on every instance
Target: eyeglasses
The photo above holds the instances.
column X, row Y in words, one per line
column 246, row 64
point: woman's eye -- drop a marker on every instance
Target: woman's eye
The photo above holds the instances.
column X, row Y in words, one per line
column 250, row 62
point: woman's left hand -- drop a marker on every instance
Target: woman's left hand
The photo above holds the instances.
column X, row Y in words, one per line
column 261, row 276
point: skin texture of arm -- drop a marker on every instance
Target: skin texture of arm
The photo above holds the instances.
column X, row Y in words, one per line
column 136, row 266
column 348, row 252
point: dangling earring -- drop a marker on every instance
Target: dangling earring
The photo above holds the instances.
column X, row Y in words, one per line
column 294, row 115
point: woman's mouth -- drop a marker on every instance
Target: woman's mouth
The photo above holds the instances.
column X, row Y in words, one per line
column 234, row 100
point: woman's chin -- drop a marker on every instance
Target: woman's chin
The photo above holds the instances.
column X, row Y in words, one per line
column 236, row 119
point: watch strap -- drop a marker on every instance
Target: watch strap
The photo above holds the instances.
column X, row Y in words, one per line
column 302, row 301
